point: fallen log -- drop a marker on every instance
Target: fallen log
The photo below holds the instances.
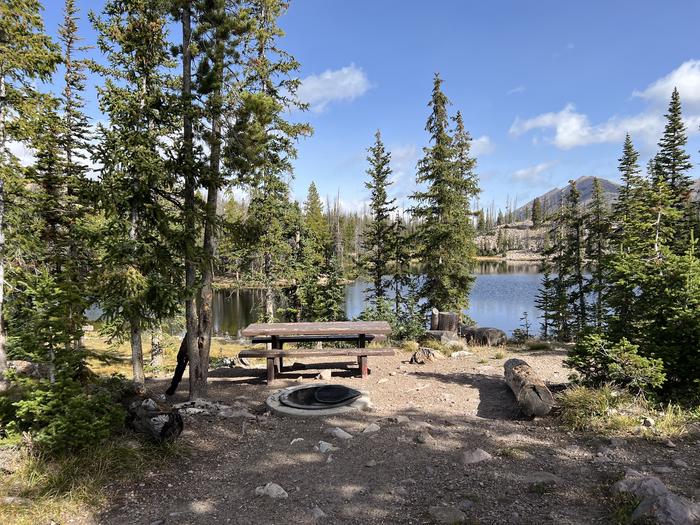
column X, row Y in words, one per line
column 533, row 396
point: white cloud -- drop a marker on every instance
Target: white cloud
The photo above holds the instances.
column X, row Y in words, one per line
column 572, row 128
column 516, row 89
column 343, row 84
column 533, row 174
column 482, row 146
column 22, row 152
column 686, row 78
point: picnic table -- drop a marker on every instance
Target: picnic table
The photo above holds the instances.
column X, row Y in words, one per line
column 278, row 334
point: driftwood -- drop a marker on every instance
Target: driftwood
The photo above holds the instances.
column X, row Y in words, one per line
column 533, row 396
column 156, row 420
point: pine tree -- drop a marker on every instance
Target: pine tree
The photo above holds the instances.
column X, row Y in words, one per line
column 140, row 283
column 545, row 301
column 27, row 55
column 598, row 228
column 573, row 262
column 536, row 213
column 445, row 233
column 379, row 231
column 316, row 224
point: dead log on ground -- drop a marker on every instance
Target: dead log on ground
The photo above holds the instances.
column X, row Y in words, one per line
column 533, row 396
column 156, row 420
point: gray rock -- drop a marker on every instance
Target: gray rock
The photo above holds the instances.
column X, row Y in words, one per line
column 648, row 422
column 324, row 446
column 461, row 353
column 271, row 490
column 318, row 514
column 447, row 515
column 425, row 355
column 680, row 463
column 371, row 463
column 476, row 455
column 662, row 469
column 398, row 419
column 15, row 500
column 339, row 433
column 372, row 427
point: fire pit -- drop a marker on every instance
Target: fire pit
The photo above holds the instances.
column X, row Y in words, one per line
column 317, row 399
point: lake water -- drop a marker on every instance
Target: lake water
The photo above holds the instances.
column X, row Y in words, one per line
column 501, row 293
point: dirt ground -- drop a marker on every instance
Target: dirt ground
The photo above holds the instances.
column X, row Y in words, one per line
column 539, row 472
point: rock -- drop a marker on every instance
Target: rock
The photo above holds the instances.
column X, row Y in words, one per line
column 296, row 440
column 231, row 413
column 680, row 463
column 476, row 455
column 447, row 515
column 325, row 375
column 371, row 463
column 662, row 469
column 483, row 336
column 425, row 355
column 383, row 380
column 318, row 514
column 372, row 427
column 398, row 419
column 425, row 437
column 657, row 503
column 442, row 336
column 29, row 368
column 461, row 353
column 339, row 433
column 648, row 422
column 272, row 490
column 324, row 447
column 419, row 425
column 16, row 501
column 670, row 444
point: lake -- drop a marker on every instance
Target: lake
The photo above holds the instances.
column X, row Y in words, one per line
column 501, row 293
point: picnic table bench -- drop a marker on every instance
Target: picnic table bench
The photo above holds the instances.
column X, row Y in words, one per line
column 277, row 334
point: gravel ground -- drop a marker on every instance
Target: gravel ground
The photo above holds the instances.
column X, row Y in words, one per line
column 412, row 470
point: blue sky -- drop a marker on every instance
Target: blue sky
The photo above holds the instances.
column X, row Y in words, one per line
column 547, row 88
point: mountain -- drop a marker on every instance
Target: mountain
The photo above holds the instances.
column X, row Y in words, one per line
column 552, row 199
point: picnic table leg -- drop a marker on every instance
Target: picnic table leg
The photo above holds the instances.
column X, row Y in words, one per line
column 277, row 345
column 270, row 370
column 364, row 372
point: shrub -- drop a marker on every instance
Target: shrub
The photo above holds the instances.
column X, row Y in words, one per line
column 599, row 361
column 66, row 415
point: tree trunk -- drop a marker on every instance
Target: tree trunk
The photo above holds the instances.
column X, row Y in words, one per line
column 533, row 396
column 3, row 356
column 434, row 319
column 157, row 348
column 137, row 353
column 189, row 350
column 448, row 321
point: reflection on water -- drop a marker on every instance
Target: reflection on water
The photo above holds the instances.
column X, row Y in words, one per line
column 501, row 293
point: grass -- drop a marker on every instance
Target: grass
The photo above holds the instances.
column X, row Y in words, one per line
column 59, row 488
column 612, row 412
column 623, row 505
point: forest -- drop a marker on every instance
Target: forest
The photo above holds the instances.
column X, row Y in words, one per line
column 135, row 215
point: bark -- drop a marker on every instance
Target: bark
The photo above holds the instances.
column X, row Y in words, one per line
column 137, row 353
column 448, row 321
column 533, row 396
column 189, row 350
column 157, row 348
column 3, row 356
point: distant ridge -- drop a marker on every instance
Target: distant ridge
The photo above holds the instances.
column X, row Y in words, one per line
column 552, row 199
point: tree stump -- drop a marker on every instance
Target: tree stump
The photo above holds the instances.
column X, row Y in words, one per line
column 158, row 421
column 533, row 396
column 434, row 319
column 448, row 321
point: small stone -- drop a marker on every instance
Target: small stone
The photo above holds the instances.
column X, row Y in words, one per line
column 324, row 446
column 398, row 419
column 325, row 375
column 317, row 513
column 371, row 463
column 272, row 490
column 382, row 380
column 670, row 444
column 461, row 353
column 476, row 456
column 662, row 469
column 372, row 427
column 680, row 463
column 339, row 433
column 392, row 373
column 425, row 437
column 648, row 422
column 447, row 515
column 15, row 500
column 296, row 440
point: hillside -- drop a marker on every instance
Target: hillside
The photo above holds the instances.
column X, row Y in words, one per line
column 552, row 199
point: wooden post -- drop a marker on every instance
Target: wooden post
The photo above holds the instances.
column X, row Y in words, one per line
column 448, row 321
column 434, row 319
column 364, row 371
column 270, row 370
column 362, row 360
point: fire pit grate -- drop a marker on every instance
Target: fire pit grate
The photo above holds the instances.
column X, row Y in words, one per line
column 319, row 397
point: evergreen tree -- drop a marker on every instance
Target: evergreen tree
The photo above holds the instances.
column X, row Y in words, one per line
column 379, row 231
column 445, row 232
column 316, row 224
column 536, row 213
column 545, row 302
column 598, row 227
column 27, row 55
column 140, row 283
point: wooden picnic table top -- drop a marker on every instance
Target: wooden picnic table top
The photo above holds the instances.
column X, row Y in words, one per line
column 325, row 328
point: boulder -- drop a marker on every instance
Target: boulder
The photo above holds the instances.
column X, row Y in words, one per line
column 442, row 336
column 425, row 355
column 484, row 336
column 29, row 369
